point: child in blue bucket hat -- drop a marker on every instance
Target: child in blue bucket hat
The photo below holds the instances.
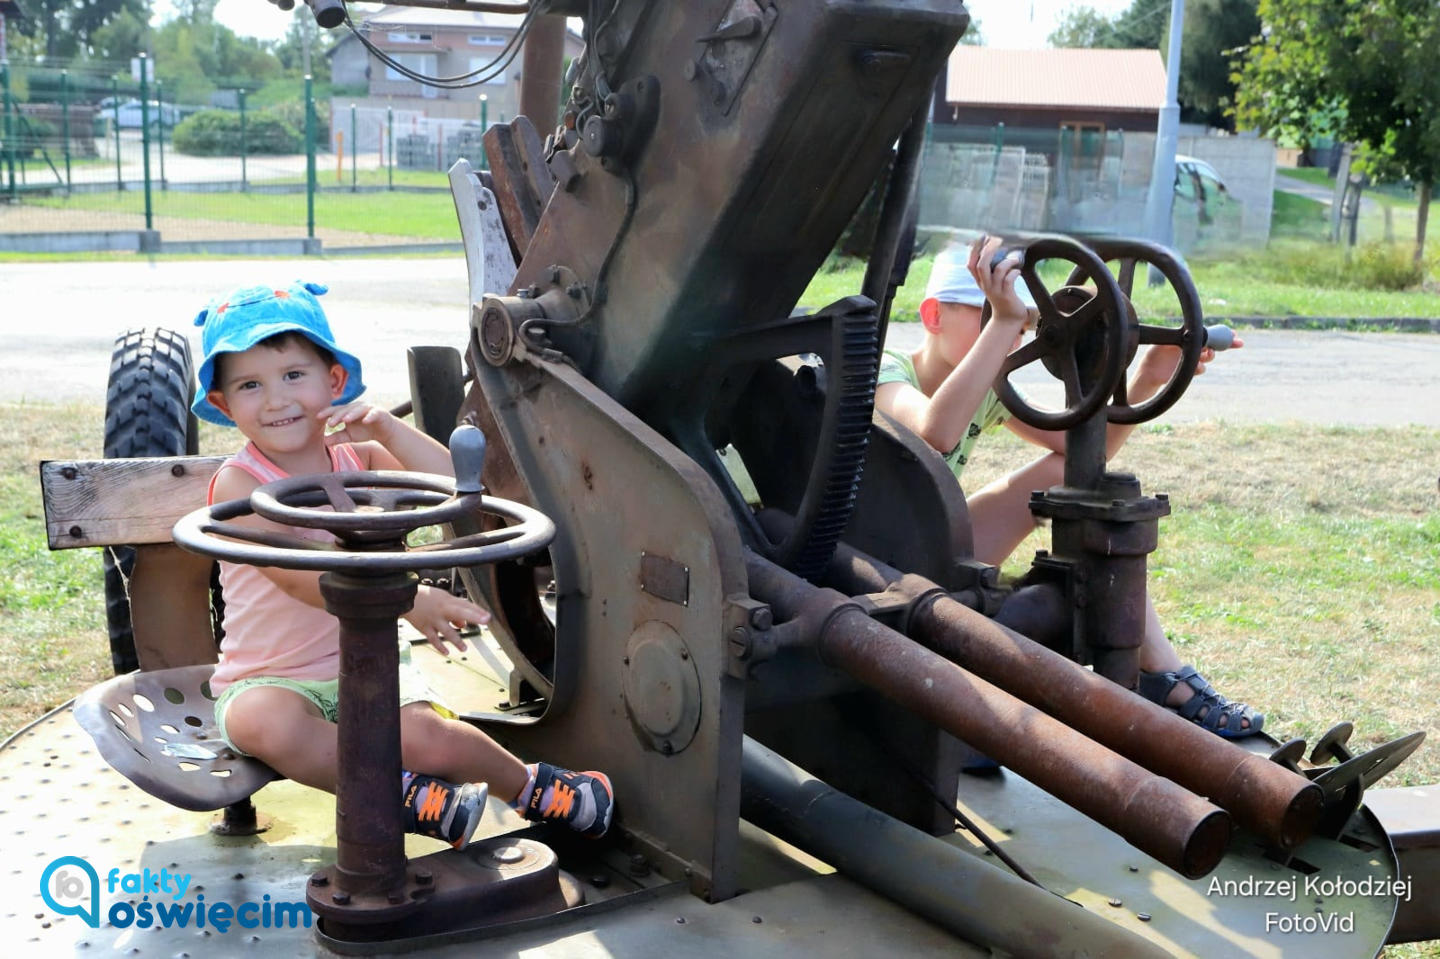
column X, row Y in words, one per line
column 273, row 370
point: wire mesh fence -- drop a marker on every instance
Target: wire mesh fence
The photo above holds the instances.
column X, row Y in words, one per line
column 93, row 161
column 1086, row 180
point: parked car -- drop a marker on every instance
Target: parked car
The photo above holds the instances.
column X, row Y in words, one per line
column 129, row 114
column 1199, row 183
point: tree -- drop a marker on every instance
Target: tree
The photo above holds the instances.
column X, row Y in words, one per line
column 1212, row 29
column 1361, row 71
column 974, row 36
column 65, row 28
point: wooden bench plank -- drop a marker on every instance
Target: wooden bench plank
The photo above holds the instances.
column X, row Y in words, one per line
column 121, row 501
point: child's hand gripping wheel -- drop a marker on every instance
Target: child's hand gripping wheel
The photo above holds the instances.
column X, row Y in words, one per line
column 1190, row 336
column 370, row 512
column 1080, row 337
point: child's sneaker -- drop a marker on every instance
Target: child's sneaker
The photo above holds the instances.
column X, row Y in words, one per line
column 442, row 810
column 583, row 801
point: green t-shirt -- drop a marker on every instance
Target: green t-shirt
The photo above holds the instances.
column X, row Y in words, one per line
column 897, row 367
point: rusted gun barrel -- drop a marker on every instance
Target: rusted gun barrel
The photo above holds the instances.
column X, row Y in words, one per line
column 1171, row 824
column 1265, row 798
column 951, row 887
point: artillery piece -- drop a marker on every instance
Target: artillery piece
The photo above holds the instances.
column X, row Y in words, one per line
column 788, row 674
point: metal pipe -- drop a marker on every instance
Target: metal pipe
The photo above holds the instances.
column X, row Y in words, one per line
column 540, row 71
column 1264, row 797
column 1175, row 826
column 934, row 879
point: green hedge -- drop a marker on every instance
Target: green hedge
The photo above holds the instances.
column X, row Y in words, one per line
column 217, row 133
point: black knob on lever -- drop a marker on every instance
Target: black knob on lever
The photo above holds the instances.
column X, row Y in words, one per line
column 467, row 453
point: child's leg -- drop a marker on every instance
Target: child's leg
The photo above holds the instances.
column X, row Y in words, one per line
column 286, row 731
column 457, row 751
column 1000, row 514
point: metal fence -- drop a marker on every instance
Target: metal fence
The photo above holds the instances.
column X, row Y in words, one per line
column 89, row 161
column 1064, row 179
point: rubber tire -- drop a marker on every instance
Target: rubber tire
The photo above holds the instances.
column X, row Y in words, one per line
column 147, row 413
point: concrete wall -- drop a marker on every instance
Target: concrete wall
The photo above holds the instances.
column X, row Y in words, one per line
column 1247, row 165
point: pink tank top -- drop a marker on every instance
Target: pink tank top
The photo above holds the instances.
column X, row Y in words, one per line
column 267, row 632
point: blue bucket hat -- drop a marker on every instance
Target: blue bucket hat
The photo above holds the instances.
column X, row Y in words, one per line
column 244, row 317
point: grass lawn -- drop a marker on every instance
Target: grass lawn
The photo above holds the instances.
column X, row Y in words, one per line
column 429, row 215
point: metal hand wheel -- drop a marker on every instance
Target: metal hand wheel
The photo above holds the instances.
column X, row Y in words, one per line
column 1189, row 336
column 1080, row 337
column 370, row 512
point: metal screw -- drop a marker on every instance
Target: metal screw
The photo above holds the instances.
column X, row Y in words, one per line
column 639, row 865
column 77, row 532
column 69, row 472
column 177, row 470
column 599, row 881
column 424, row 878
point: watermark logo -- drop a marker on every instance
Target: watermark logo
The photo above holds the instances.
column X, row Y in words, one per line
column 68, row 884
column 71, row 887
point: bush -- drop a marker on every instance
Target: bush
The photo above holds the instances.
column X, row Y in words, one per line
column 217, row 133
column 1385, row 266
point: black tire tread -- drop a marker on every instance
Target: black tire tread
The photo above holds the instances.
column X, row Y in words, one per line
column 147, row 413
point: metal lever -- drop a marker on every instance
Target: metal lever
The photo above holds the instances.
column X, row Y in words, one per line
column 467, row 453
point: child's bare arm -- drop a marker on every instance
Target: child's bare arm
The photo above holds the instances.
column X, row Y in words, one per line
column 297, row 584
column 390, row 442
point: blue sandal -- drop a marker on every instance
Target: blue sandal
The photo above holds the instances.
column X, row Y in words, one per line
column 1206, row 708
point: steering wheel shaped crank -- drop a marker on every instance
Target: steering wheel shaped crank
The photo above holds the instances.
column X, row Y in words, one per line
column 370, row 512
column 1190, row 336
column 1080, row 337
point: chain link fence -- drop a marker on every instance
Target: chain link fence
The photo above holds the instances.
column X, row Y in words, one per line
column 89, row 161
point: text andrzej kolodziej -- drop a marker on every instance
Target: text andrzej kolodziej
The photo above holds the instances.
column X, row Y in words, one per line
column 1321, row 888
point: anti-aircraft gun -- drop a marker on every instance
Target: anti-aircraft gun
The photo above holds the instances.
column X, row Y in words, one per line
column 758, row 609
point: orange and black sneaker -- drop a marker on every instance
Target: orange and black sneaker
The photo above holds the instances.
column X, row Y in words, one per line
column 582, row 801
column 442, row 810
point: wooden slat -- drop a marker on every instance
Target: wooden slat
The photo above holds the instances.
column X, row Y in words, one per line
column 121, row 501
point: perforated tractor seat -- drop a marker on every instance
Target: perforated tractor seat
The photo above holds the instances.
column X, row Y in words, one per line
column 157, row 729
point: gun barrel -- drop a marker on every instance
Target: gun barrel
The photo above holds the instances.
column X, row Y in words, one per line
column 1171, row 824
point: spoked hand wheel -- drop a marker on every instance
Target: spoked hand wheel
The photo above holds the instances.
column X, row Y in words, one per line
column 1189, row 335
column 1080, row 337
column 370, row 512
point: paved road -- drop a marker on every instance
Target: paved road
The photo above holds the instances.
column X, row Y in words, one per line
column 58, row 323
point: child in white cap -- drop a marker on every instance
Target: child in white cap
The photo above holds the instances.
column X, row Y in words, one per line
column 271, row 368
column 943, row 393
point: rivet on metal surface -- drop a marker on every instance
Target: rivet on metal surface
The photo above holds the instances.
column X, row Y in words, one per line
column 1134, row 868
column 1115, row 902
column 508, row 854
column 599, row 882
column 341, row 898
column 1143, row 916
column 639, row 865
column 238, row 875
column 679, row 920
column 756, row 919
column 424, row 877
column 319, row 879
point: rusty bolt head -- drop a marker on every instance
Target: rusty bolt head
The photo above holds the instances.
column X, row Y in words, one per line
column 762, row 618
column 340, row 898
column 319, row 879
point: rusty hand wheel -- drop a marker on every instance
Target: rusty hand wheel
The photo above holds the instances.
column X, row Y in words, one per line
column 370, row 512
column 1189, row 336
column 1080, row 337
